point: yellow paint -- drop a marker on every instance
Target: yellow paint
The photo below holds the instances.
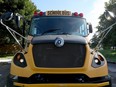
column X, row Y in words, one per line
column 63, row 85
column 31, row 69
column 87, row 69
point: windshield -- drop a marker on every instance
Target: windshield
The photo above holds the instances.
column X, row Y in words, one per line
column 58, row 26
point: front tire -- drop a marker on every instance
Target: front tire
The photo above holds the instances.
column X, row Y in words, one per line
column 110, row 82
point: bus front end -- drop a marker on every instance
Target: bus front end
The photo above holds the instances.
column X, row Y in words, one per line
column 58, row 54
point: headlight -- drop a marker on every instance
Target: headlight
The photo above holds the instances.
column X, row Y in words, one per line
column 19, row 60
column 98, row 60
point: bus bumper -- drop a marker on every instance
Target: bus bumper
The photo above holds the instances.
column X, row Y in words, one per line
column 104, row 84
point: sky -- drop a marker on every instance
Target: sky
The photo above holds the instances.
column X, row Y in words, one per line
column 91, row 9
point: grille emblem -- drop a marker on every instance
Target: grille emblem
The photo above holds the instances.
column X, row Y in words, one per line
column 59, row 42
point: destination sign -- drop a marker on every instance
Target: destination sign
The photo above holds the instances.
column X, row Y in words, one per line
column 58, row 13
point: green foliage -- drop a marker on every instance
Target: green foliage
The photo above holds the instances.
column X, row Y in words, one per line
column 109, row 54
column 110, row 39
column 23, row 7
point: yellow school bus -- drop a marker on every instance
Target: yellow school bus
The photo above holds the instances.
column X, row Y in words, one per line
column 57, row 54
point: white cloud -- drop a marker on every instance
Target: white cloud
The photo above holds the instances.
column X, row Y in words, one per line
column 98, row 9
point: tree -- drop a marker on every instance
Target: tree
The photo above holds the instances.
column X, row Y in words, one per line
column 23, row 7
column 110, row 39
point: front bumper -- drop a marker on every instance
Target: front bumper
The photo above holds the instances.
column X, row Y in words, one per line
column 63, row 82
column 62, row 85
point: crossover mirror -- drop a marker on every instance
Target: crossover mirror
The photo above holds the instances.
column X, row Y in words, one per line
column 109, row 15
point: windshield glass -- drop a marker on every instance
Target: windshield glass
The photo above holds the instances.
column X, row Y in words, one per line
column 58, row 26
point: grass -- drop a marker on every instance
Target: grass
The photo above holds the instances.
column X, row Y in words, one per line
column 6, row 57
column 109, row 54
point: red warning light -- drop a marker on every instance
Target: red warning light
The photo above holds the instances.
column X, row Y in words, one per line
column 35, row 13
column 41, row 13
column 81, row 14
column 75, row 14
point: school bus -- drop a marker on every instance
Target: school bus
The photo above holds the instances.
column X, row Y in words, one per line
column 57, row 54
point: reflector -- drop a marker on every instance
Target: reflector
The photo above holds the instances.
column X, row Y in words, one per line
column 18, row 57
column 100, row 58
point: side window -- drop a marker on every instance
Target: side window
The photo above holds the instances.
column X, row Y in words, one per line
column 83, row 30
column 33, row 28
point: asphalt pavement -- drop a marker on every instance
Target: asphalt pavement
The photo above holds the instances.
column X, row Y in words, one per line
column 112, row 72
column 4, row 71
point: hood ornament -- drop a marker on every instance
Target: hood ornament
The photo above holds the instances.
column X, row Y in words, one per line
column 59, row 41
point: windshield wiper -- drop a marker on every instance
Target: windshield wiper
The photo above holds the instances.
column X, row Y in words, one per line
column 48, row 31
column 66, row 33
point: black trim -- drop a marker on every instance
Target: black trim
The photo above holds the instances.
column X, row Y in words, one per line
column 61, row 78
column 52, row 38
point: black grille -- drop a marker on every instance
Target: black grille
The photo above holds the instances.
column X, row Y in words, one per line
column 50, row 56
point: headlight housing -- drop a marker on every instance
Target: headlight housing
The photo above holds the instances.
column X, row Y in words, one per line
column 19, row 60
column 98, row 60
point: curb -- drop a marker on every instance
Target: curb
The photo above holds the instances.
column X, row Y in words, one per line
column 5, row 61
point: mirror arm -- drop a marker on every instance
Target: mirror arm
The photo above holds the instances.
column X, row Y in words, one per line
column 11, row 33
column 105, row 34
column 12, row 30
column 23, row 33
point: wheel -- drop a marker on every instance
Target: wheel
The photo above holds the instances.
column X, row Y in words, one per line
column 110, row 82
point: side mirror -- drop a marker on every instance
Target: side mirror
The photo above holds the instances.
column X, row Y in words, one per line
column 7, row 16
column 90, row 28
column 109, row 15
column 17, row 20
